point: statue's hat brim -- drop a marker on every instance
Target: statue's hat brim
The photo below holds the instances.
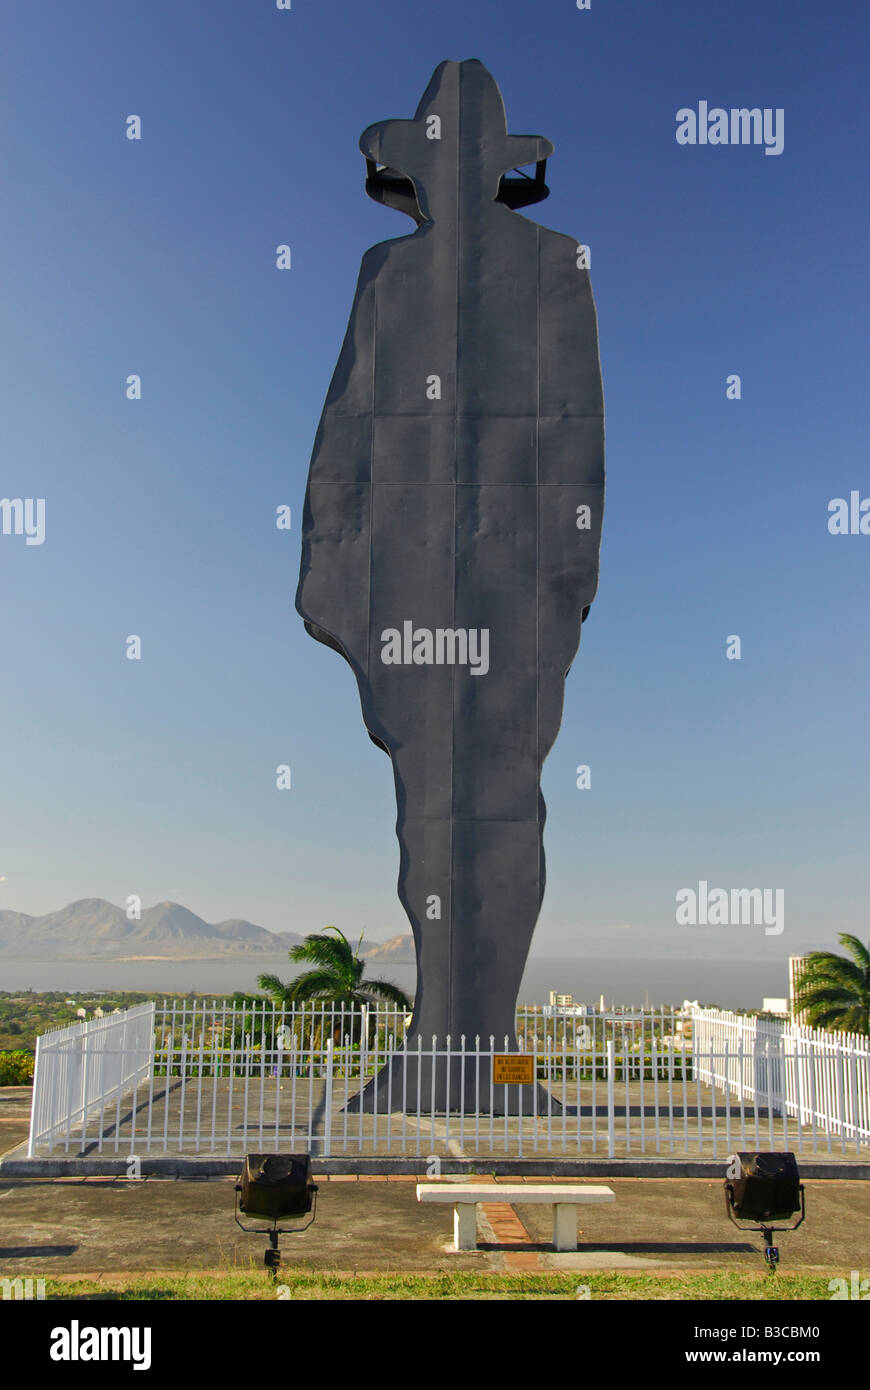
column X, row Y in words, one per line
column 396, row 142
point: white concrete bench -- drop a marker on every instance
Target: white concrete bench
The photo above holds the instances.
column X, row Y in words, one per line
column 563, row 1197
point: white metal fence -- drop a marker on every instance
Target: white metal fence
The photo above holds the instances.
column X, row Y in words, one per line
column 223, row 1079
column 822, row 1080
column 81, row 1070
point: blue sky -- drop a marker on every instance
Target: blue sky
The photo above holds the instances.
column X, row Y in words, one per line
column 157, row 257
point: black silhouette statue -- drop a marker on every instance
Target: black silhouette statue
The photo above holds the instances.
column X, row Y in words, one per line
column 451, row 531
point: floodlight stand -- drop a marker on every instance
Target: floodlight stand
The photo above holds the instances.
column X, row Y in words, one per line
column 771, row 1251
column 272, row 1256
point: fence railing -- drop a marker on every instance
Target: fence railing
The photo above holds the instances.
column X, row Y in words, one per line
column 536, row 1028
column 81, row 1070
column 223, row 1037
column 820, row 1079
column 225, row 1078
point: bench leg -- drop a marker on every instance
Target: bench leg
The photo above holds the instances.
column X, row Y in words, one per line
column 465, row 1226
column 565, row 1225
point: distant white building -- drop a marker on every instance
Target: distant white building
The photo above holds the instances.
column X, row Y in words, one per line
column 797, row 969
column 563, row 1006
column 775, row 1006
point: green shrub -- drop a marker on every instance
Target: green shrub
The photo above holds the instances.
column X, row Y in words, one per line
column 16, row 1068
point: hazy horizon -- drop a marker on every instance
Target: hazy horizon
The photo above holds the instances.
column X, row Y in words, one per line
column 666, row 943
column 727, row 984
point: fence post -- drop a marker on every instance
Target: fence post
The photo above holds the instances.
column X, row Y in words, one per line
column 84, row 1082
column 327, row 1114
column 611, row 1118
column 35, row 1103
column 841, row 1096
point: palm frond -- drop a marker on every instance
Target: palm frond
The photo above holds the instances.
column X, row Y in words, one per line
column 338, row 976
column 858, row 949
column 273, row 986
column 834, row 992
column 317, row 984
column 385, row 989
column 325, row 951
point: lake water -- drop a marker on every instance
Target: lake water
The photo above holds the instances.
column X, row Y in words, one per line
column 729, row 984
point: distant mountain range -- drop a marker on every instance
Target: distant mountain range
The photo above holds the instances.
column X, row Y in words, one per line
column 93, row 929
column 399, row 950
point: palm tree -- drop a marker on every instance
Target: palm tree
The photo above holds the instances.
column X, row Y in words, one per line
column 834, row 992
column 337, row 978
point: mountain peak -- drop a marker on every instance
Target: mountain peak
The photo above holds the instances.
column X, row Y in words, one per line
column 92, row 928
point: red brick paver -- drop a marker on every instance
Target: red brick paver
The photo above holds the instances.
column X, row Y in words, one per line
column 509, row 1230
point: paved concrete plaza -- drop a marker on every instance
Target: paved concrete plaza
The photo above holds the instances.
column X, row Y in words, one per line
column 95, row 1225
column 99, row 1225
column 14, row 1116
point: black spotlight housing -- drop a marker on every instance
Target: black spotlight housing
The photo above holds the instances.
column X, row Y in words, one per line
column 764, row 1188
column 276, row 1187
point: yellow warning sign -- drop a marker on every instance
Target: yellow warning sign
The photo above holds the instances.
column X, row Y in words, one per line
column 513, row 1069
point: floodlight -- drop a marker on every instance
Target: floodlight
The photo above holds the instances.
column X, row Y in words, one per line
column 276, row 1187
column 764, row 1188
